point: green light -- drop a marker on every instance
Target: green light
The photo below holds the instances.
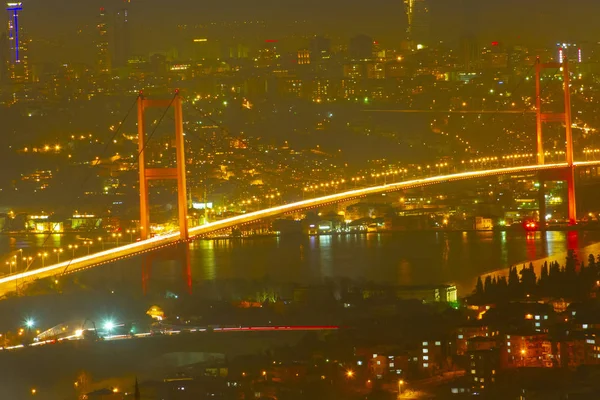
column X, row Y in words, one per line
column 366, row 100
column 225, row 103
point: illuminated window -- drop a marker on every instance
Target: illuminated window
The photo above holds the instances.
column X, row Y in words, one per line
column 584, row 326
column 460, row 336
column 425, row 351
column 438, row 343
column 425, row 343
column 425, row 365
column 425, row 358
column 473, row 372
column 537, row 317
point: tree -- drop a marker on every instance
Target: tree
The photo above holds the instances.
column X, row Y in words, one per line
column 591, row 262
column 570, row 279
column 571, row 264
column 136, row 394
column 544, row 277
column 555, row 279
column 479, row 292
column 528, row 278
column 502, row 287
column 488, row 287
column 514, row 288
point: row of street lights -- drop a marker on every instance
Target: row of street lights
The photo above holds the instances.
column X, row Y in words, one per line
column 13, row 264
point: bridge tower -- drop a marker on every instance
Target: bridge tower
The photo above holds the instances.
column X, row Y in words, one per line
column 147, row 174
column 567, row 174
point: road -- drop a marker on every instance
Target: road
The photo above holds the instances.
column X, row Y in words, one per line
column 9, row 283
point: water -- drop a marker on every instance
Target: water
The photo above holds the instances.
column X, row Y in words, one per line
column 396, row 258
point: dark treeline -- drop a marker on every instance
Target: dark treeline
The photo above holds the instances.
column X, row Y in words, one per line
column 574, row 280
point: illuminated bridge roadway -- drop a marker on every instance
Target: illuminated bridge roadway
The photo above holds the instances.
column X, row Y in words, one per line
column 10, row 282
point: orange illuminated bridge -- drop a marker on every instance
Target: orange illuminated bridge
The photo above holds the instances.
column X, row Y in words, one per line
column 8, row 283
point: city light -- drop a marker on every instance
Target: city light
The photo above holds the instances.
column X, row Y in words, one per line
column 169, row 238
column 109, row 326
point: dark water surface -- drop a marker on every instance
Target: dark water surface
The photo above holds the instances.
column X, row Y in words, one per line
column 397, row 258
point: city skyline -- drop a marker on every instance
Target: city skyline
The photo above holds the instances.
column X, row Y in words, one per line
column 384, row 20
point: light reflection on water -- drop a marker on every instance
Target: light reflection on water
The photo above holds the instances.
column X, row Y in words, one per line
column 401, row 258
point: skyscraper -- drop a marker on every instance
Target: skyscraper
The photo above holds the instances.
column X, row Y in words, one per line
column 469, row 52
column 361, row 48
column 320, row 49
column 417, row 13
column 122, row 39
column 103, row 54
column 18, row 65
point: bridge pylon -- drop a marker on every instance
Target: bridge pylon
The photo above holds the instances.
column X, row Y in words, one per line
column 568, row 174
column 147, row 174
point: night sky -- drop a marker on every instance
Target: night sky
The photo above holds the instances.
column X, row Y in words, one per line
column 63, row 28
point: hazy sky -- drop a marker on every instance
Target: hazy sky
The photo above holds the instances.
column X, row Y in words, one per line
column 70, row 23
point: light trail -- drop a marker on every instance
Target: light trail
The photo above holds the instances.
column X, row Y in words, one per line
column 8, row 283
column 409, row 111
column 173, row 332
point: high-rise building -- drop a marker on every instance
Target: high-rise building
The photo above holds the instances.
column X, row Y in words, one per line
column 361, row 48
column 122, row 38
column 103, row 54
column 570, row 52
column 18, row 65
column 469, row 52
column 417, row 13
column 320, row 49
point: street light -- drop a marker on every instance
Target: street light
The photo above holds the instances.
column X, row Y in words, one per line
column 117, row 236
column 43, row 257
column 349, row 374
column 57, row 252
column 73, row 247
column 100, row 240
column 131, row 232
column 88, row 243
column 400, row 386
column 109, row 326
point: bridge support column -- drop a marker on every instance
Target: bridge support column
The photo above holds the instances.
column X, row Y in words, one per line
column 542, row 202
column 572, row 201
column 147, row 174
column 569, row 174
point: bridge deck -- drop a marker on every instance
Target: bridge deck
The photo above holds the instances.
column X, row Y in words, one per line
column 9, row 283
